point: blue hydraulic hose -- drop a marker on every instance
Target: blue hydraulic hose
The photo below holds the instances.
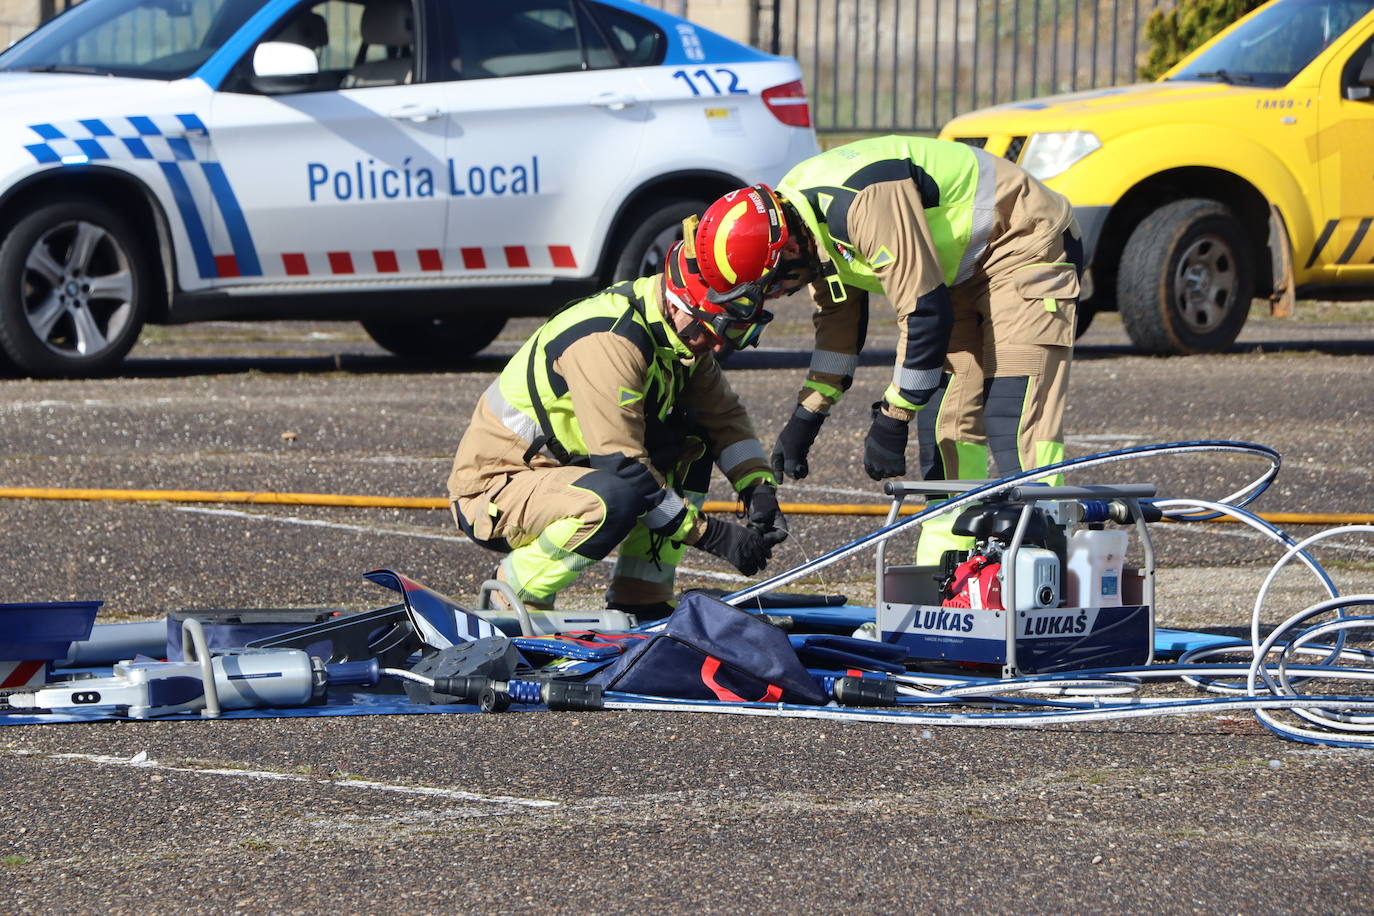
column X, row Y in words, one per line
column 1095, row 695
column 1246, row 495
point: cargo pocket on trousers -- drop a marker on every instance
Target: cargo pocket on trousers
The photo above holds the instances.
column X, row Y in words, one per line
column 480, row 510
column 1050, row 298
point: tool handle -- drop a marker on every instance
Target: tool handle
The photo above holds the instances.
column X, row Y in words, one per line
column 353, row 674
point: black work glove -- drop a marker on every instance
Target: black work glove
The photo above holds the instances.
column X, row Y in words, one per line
column 789, row 452
column 885, row 446
column 765, row 517
column 743, row 548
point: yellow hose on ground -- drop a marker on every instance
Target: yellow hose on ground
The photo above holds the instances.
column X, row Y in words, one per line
column 426, row 502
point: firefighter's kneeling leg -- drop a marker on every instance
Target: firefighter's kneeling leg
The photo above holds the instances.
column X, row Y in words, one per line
column 560, row 529
column 646, row 567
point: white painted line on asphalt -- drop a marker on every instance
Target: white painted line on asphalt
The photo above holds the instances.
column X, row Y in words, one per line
column 1220, row 531
column 1103, row 437
column 142, row 761
column 1211, row 530
column 792, row 487
column 85, row 403
column 395, row 532
column 317, row 523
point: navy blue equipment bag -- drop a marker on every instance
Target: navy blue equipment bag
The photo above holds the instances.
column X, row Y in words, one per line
column 709, row 650
column 826, row 651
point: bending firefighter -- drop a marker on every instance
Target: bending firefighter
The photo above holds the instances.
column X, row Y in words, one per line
column 981, row 263
column 602, row 429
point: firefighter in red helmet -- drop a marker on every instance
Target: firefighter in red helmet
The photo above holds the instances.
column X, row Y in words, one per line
column 981, row 264
column 601, row 431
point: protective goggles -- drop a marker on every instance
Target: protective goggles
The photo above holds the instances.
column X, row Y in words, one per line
column 746, row 297
column 735, row 333
column 738, row 328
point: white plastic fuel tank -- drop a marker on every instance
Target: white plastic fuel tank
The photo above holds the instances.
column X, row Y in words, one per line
column 1095, row 559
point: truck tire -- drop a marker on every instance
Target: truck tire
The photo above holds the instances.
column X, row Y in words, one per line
column 1186, row 280
column 649, row 232
column 75, row 284
column 435, row 340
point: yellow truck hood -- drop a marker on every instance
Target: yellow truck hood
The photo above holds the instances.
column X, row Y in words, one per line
column 1107, row 112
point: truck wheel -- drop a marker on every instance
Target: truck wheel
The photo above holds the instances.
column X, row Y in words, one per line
column 648, row 234
column 441, row 340
column 1186, row 281
column 74, row 288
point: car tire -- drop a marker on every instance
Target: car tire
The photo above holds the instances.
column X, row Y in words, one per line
column 437, row 340
column 1186, row 281
column 650, row 231
column 75, row 284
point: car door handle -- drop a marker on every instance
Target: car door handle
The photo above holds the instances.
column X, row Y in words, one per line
column 415, row 113
column 615, row 101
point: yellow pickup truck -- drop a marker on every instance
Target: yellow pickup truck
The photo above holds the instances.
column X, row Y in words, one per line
column 1246, row 171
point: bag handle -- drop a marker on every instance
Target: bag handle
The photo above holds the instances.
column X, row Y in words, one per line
column 711, row 665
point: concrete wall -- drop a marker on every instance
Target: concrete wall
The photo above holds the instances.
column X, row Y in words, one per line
column 731, row 18
column 17, row 19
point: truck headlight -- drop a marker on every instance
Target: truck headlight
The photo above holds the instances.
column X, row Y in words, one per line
column 1046, row 155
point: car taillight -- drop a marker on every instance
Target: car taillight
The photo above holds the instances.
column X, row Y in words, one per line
column 788, row 104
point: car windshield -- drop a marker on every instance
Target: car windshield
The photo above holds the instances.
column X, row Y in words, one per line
column 151, row 39
column 1272, row 47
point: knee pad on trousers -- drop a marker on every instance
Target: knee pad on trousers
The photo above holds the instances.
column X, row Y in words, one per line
column 1004, row 403
column 622, row 505
column 927, row 438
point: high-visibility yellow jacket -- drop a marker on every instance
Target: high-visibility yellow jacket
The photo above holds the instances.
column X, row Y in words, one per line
column 914, row 219
column 601, row 370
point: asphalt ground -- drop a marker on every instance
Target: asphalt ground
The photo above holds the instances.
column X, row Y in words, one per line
column 630, row 811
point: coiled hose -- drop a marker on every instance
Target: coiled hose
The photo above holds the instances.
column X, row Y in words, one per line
column 1267, row 684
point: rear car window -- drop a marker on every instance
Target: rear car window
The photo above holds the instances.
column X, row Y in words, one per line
column 638, row 41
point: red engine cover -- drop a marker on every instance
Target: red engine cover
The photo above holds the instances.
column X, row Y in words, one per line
column 975, row 585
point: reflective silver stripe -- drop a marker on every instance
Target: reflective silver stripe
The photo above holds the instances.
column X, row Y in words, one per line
column 665, row 511
column 644, row 570
column 573, row 562
column 735, row 455
column 916, row 379
column 524, row 427
column 834, row 363
column 984, row 214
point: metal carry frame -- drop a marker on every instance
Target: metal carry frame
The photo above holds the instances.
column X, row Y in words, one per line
column 1031, row 494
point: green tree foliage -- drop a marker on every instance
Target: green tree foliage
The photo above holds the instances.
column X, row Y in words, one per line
column 1172, row 33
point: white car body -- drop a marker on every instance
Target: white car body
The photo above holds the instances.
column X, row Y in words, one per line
column 425, row 200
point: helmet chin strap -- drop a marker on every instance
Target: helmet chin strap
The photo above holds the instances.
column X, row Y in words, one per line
column 813, row 254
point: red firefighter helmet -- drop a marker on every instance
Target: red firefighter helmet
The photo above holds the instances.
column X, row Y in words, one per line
column 736, row 323
column 739, row 245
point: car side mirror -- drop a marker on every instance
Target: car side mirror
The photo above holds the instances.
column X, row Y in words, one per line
column 1364, row 83
column 274, row 59
column 283, row 66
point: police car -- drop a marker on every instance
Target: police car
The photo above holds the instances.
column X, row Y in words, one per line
column 428, row 167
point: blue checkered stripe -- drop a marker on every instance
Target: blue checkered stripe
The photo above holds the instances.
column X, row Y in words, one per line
column 155, row 137
column 159, row 139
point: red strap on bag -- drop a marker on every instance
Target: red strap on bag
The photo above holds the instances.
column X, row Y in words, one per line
column 711, row 665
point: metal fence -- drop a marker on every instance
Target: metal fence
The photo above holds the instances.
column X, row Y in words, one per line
column 878, row 66
column 910, row 65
